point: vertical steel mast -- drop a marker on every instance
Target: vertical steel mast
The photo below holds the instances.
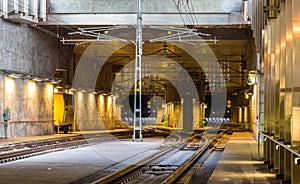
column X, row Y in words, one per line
column 137, row 116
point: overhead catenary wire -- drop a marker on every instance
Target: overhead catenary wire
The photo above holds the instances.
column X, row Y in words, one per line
column 188, row 9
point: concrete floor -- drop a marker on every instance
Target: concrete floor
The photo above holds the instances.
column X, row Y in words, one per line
column 239, row 163
column 70, row 165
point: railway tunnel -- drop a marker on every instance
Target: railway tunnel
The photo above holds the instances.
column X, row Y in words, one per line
column 70, row 67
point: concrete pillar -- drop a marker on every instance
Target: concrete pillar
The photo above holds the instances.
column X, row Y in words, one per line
column 187, row 112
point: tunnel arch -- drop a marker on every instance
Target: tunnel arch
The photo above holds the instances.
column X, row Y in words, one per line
column 91, row 65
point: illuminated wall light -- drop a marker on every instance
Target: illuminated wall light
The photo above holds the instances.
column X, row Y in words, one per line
column 277, row 147
column 55, row 90
column 15, row 76
column 71, row 91
column 37, row 79
column 54, row 81
column 297, row 161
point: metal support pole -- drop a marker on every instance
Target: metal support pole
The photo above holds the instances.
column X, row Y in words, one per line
column 258, row 147
column 137, row 116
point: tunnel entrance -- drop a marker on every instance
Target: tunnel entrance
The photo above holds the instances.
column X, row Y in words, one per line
column 149, row 111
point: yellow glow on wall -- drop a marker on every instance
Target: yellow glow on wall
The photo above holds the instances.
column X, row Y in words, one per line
column 31, row 88
column 109, row 106
column 59, row 108
column 255, row 90
column 101, row 99
column 91, row 97
column 246, row 114
column 80, row 96
column 109, row 101
column 101, row 106
column 296, row 29
column 91, row 100
column 10, row 84
column 289, row 38
column 49, row 89
column 283, row 45
column 240, row 119
column 272, row 59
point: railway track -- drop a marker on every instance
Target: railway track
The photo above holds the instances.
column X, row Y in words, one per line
column 108, row 174
column 185, row 174
column 28, row 149
column 159, row 164
column 166, row 166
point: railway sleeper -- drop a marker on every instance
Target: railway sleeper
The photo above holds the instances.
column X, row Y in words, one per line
column 131, row 176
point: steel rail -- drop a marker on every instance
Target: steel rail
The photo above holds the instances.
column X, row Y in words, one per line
column 127, row 170
column 175, row 175
column 32, row 148
column 182, row 169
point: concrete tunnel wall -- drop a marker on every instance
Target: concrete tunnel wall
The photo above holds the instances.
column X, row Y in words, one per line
column 26, row 50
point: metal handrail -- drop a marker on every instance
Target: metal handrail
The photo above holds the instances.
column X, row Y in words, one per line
column 277, row 142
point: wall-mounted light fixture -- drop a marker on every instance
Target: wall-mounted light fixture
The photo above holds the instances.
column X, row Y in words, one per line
column 297, row 161
column 37, row 79
column 15, row 76
column 28, row 76
column 252, row 77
